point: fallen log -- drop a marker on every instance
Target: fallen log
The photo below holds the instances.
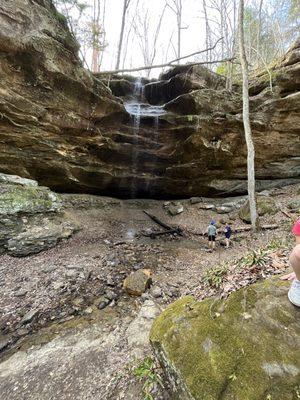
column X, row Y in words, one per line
column 249, row 228
column 163, row 224
column 153, row 235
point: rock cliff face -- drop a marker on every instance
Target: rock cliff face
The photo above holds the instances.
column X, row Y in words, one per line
column 64, row 128
column 245, row 347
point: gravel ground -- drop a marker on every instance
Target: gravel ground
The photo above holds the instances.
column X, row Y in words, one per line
column 50, row 319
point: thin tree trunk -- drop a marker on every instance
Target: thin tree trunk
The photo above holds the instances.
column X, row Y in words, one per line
column 125, row 6
column 246, row 121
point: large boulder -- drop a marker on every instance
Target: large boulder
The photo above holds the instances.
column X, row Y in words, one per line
column 245, row 347
column 30, row 217
column 137, row 282
column 265, row 206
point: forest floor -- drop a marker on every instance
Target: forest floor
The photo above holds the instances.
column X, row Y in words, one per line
column 57, row 343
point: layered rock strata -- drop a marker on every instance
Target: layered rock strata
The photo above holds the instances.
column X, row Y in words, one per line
column 64, row 128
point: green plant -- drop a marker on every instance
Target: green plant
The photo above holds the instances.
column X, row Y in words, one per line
column 254, row 258
column 276, row 244
column 146, row 372
column 214, row 276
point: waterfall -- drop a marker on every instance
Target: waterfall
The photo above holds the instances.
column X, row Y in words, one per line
column 140, row 110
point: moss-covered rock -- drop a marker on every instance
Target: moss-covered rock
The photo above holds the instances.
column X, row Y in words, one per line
column 265, row 205
column 18, row 199
column 30, row 217
column 245, row 347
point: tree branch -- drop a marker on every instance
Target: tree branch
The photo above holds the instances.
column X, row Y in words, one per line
column 170, row 63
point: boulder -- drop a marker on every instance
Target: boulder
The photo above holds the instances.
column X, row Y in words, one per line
column 175, row 208
column 38, row 238
column 196, row 200
column 138, row 282
column 244, row 347
column 265, row 205
column 31, row 218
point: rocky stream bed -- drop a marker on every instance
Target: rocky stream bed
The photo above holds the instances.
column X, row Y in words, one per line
column 68, row 327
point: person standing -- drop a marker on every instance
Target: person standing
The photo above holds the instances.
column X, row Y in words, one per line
column 294, row 292
column 228, row 232
column 212, row 233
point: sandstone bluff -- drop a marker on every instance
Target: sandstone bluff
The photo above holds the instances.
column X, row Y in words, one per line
column 66, row 129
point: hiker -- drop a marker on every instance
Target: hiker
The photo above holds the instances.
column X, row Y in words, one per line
column 212, row 233
column 294, row 292
column 228, row 232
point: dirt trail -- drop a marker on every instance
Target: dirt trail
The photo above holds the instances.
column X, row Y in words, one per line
column 67, row 347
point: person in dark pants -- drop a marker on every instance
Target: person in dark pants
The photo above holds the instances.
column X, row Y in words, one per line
column 228, row 232
column 212, row 233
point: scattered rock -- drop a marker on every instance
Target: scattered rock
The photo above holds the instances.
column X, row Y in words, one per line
column 223, row 210
column 58, row 285
column 175, row 208
column 207, row 207
column 88, row 311
column 196, row 200
column 3, row 344
column 110, row 281
column 28, row 317
column 21, row 292
column 102, row 303
column 110, row 295
column 138, row 282
column 156, row 291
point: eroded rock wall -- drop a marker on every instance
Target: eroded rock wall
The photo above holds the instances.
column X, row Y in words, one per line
column 64, row 128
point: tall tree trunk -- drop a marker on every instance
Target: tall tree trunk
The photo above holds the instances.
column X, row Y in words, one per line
column 125, row 6
column 96, row 36
column 246, row 121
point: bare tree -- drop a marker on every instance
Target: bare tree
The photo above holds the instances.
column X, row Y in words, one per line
column 207, row 32
column 246, row 120
column 147, row 42
column 97, row 34
column 176, row 7
column 125, row 9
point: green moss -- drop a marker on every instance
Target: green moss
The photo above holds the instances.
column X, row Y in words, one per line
column 25, row 199
column 227, row 349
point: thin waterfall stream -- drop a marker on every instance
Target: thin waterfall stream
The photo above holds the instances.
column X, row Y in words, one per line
column 140, row 109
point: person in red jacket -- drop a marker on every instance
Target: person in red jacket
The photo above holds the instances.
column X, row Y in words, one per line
column 294, row 292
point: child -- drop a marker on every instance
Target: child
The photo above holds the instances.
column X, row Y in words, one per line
column 228, row 232
column 212, row 232
column 294, row 292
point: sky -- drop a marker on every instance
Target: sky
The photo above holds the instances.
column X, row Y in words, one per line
column 192, row 34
